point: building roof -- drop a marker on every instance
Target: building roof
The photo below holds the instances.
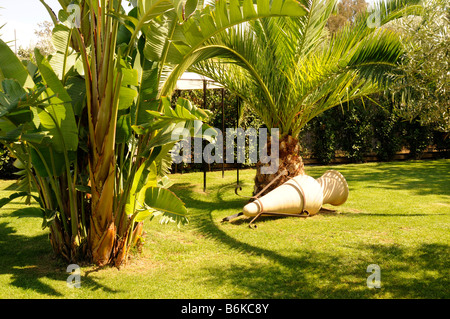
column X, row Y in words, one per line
column 194, row 81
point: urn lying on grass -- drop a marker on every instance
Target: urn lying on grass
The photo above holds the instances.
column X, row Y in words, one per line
column 302, row 195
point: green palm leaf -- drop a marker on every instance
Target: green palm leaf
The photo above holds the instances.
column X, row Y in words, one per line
column 288, row 70
column 190, row 36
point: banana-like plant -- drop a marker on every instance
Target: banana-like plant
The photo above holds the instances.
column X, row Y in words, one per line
column 91, row 126
column 288, row 71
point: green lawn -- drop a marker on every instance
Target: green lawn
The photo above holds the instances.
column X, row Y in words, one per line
column 397, row 216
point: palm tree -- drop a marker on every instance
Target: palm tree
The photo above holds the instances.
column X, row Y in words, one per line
column 289, row 70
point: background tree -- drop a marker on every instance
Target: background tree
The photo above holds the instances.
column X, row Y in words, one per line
column 422, row 92
column 44, row 34
column 44, row 42
column 346, row 12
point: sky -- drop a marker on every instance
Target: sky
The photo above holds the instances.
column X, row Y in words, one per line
column 23, row 16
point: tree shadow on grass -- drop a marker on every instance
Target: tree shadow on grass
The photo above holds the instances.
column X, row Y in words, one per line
column 423, row 272
column 405, row 273
column 421, row 177
column 356, row 215
column 283, row 277
column 30, row 261
column 310, row 274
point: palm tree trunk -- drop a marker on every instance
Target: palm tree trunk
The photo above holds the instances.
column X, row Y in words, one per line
column 290, row 162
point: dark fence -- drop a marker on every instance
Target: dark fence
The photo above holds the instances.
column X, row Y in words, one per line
column 340, row 158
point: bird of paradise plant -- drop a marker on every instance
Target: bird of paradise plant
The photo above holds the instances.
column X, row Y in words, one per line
column 91, row 126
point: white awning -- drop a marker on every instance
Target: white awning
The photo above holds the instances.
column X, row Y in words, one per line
column 194, row 81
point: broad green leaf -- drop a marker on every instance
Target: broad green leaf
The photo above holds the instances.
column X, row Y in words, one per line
column 147, row 10
column 11, row 95
column 221, row 13
column 62, row 126
column 76, row 88
column 189, row 7
column 32, row 69
column 184, row 111
column 11, row 135
column 50, row 12
column 164, row 135
column 46, row 162
column 166, row 202
column 83, row 189
column 62, row 63
column 12, row 68
column 148, row 91
column 165, row 182
column 21, row 116
column 127, row 26
column 144, row 177
column 126, row 97
column 6, row 126
column 130, row 77
column 123, row 131
column 61, row 38
column 292, row 8
column 13, row 89
column 18, row 105
column 38, row 138
column 276, row 6
column 142, row 215
column 51, row 79
column 58, row 117
column 157, row 36
column 163, row 163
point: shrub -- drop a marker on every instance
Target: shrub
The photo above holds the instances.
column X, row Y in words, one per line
column 7, row 168
column 387, row 134
column 417, row 138
column 441, row 141
column 355, row 137
column 323, row 137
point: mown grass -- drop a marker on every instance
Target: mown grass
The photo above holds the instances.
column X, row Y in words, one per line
column 397, row 216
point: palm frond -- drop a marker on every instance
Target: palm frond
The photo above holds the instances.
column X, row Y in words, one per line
column 189, row 37
column 288, row 70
